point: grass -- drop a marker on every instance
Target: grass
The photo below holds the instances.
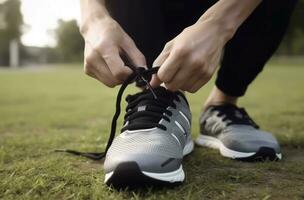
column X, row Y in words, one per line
column 48, row 108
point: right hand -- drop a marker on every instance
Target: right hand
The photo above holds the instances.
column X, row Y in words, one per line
column 105, row 42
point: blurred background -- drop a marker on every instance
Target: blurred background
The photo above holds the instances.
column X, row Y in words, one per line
column 47, row 103
column 36, row 32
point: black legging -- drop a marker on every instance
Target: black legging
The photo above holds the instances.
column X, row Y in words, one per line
column 152, row 23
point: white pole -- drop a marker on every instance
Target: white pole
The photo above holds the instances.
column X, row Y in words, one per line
column 14, row 53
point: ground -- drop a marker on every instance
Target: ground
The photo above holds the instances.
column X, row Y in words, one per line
column 58, row 107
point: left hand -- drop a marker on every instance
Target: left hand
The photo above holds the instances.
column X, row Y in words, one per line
column 188, row 61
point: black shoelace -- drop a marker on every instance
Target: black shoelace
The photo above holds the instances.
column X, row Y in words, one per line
column 142, row 77
column 234, row 115
column 144, row 111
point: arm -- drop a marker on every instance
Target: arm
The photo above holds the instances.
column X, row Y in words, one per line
column 105, row 41
column 230, row 14
column 189, row 60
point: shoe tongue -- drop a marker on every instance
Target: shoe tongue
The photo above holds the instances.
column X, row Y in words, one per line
column 236, row 115
column 142, row 105
column 145, row 110
column 141, row 108
column 159, row 91
column 229, row 108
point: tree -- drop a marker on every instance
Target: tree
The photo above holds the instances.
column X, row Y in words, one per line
column 14, row 19
column 13, row 22
column 70, row 44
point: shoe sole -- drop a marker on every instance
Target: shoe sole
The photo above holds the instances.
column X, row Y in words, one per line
column 129, row 174
column 263, row 154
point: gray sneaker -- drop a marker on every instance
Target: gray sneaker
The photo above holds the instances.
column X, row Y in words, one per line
column 153, row 141
column 230, row 130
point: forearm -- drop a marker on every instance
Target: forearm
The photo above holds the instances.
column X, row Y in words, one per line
column 230, row 14
column 91, row 10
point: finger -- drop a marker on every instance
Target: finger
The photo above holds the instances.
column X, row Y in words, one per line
column 169, row 68
column 163, row 55
column 133, row 53
column 190, row 83
column 205, row 75
column 97, row 68
column 90, row 71
column 182, row 77
column 155, row 81
column 200, row 83
column 196, row 75
column 115, row 64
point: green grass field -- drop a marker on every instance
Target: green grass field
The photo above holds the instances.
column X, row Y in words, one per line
column 57, row 107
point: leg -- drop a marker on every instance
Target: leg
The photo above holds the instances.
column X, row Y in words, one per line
column 252, row 46
column 143, row 21
column 179, row 14
column 225, row 126
column 153, row 23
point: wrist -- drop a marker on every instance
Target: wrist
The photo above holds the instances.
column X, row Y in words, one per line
column 225, row 28
column 229, row 15
column 92, row 11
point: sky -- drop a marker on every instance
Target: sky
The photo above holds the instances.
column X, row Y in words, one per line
column 41, row 18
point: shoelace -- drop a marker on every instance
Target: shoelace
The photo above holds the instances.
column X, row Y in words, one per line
column 145, row 112
column 234, row 115
column 142, row 77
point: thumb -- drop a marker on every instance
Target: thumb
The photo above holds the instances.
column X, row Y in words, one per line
column 155, row 81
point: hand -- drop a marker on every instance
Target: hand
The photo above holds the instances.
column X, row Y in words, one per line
column 105, row 42
column 189, row 60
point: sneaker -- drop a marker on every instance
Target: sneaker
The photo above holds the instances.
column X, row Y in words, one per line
column 153, row 141
column 230, row 130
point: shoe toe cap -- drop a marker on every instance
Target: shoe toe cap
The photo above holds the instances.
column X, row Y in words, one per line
column 153, row 152
column 146, row 162
column 252, row 140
